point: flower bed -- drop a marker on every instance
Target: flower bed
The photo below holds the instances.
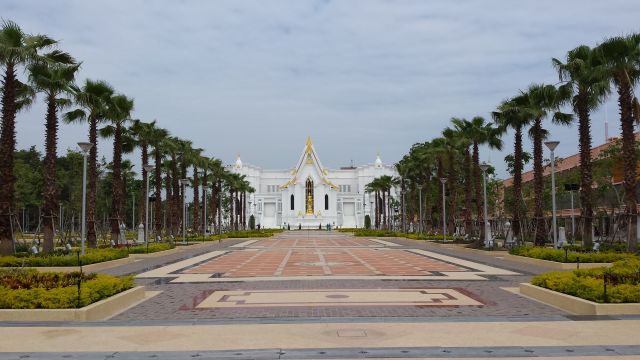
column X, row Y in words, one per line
column 622, row 282
column 30, row 289
column 240, row 234
column 569, row 256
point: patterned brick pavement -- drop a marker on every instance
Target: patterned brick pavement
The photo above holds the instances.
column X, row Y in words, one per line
column 319, row 256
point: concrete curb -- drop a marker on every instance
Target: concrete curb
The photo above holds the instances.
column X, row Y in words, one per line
column 577, row 305
column 100, row 310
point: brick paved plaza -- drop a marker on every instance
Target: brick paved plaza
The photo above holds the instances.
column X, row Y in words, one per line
column 308, row 274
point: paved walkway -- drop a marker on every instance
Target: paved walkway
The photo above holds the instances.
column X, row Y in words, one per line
column 316, row 294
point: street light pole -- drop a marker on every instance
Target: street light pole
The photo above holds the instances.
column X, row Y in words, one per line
column 147, row 169
column 573, row 223
column 444, row 211
column 552, row 145
column 487, row 229
column 420, row 205
column 85, row 147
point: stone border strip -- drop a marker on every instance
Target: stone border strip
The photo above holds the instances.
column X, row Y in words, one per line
column 166, row 271
column 244, row 244
column 100, row 310
column 576, row 305
column 484, row 269
column 384, row 242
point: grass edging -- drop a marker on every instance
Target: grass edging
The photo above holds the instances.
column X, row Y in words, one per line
column 576, row 305
column 555, row 265
column 100, row 310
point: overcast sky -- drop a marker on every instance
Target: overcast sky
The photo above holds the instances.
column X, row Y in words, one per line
column 360, row 77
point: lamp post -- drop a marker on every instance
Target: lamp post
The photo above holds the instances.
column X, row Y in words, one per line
column 204, row 217
column 552, row 145
column 444, row 211
column 487, row 229
column 420, row 205
column 184, row 182
column 147, row 168
column 85, row 147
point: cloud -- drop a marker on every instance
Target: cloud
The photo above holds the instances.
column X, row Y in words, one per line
column 361, row 77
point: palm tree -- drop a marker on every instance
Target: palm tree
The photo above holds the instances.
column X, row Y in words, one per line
column 583, row 72
column 506, row 118
column 218, row 174
column 118, row 112
column 621, row 56
column 16, row 49
column 91, row 100
column 157, row 138
column 461, row 127
column 535, row 104
column 375, row 187
column 53, row 80
column 140, row 131
column 195, row 159
column 480, row 132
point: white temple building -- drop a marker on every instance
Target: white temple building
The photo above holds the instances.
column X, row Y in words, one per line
column 309, row 195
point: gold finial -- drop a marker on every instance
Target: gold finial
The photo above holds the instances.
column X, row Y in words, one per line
column 309, row 144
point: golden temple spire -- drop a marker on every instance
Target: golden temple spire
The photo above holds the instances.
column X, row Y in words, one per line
column 309, row 144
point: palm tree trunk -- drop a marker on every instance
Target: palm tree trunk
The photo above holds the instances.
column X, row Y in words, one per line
column 586, row 180
column 92, row 239
column 402, row 209
column 196, row 201
column 168, row 188
column 468, row 192
column 451, row 185
column 427, row 205
column 157, row 214
column 440, row 173
column 385, row 216
column 629, row 156
column 7, row 147
column 175, row 203
column 141, row 204
column 478, row 189
column 50, row 195
column 205, row 184
column 538, row 185
column 517, row 181
column 116, row 198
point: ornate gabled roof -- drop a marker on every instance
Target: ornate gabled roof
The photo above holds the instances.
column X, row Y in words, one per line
column 310, row 157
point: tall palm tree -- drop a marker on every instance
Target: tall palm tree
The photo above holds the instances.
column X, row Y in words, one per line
column 461, row 128
column 141, row 131
column 195, row 158
column 507, row 118
column 218, row 174
column 622, row 61
column 53, row 80
column 16, row 49
column 584, row 73
column 118, row 113
column 480, row 132
column 535, row 104
column 91, row 100
column 157, row 138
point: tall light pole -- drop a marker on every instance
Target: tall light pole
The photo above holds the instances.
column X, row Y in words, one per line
column 420, row 205
column 148, row 169
column 487, row 228
column 184, row 182
column 204, row 189
column 552, row 145
column 85, row 147
column 444, row 211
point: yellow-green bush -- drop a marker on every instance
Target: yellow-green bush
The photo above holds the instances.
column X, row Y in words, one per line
column 572, row 256
column 414, row 236
column 36, row 291
column 623, row 282
column 153, row 247
column 91, row 256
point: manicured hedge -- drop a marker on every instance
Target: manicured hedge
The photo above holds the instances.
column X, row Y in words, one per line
column 29, row 289
column 91, row 256
column 570, row 256
column 240, row 234
column 414, row 236
column 623, row 282
column 153, row 247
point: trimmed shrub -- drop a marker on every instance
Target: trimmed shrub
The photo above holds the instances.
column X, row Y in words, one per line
column 252, row 222
column 153, row 247
column 367, row 222
column 570, row 256
column 29, row 289
column 623, row 282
